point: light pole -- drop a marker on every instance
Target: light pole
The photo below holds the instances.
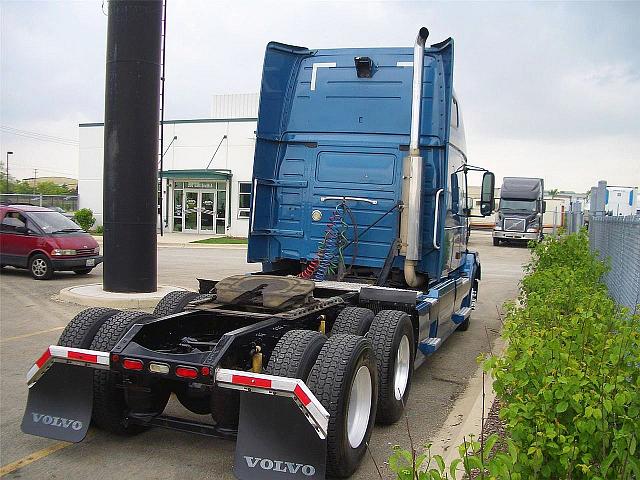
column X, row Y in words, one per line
column 7, row 189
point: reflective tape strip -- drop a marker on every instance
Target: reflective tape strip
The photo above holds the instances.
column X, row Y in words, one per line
column 294, row 388
column 43, row 358
column 303, row 397
column 75, row 356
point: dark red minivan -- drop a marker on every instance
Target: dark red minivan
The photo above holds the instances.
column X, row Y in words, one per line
column 43, row 241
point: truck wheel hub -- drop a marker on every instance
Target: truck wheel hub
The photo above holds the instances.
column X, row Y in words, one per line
column 359, row 407
column 401, row 373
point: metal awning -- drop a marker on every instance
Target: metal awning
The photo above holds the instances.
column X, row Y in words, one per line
column 197, row 174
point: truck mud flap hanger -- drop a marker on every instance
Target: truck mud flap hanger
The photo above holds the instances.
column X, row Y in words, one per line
column 274, row 440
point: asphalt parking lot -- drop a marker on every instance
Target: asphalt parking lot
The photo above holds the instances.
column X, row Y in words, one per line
column 31, row 318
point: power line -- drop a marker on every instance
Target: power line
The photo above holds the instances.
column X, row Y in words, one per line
column 39, row 136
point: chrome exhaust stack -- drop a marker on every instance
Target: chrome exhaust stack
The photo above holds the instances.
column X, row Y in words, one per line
column 412, row 193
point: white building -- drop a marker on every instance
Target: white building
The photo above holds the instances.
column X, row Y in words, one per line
column 206, row 172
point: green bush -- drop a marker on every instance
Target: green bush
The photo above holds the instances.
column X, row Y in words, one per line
column 568, row 381
column 84, row 217
column 99, row 230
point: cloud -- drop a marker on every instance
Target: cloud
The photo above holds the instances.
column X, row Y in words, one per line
column 551, row 89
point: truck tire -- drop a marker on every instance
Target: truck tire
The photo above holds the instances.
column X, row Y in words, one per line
column 496, row 242
column 295, row 354
column 174, row 302
column 353, row 320
column 200, row 404
column 391, row 335
column 80, row 331
column 225, row 408
column 109, row 405
column 344, row 380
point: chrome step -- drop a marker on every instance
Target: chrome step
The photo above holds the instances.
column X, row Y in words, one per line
column 430, row 345
column 461, row 315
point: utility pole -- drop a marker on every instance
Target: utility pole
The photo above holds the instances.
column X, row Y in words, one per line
column 35, row 178
column 7, row 189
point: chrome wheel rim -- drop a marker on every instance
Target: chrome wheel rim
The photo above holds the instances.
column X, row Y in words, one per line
column 401, row 371
column 39, row 267
column 359, row 407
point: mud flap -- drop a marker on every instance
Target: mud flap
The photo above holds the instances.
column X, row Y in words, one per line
column 276, row 441
column 60, row 403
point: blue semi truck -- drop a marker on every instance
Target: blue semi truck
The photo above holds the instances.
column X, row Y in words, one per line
column 359, row 217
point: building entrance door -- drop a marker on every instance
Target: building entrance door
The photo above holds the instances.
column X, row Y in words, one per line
column 207, row 211
column 204, row 211
column 191, row 217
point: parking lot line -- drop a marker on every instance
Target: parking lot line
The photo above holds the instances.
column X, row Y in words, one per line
column 32, row 457
column 39, row 332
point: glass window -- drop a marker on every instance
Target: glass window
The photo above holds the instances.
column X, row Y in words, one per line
column 13, row 221
column 177, row 210
column 524, row 205
column 221, row 210
column 244, row 199
column 54, row 222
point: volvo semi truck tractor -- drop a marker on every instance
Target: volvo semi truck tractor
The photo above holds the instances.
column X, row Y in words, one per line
column 520, row 212
column 358, row 218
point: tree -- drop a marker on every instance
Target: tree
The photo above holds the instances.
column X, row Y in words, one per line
column 84, row 217
column 50, row 188
column 3, row 180
column 553, row 192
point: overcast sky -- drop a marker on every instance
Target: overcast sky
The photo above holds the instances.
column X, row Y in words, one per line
column 547, row 89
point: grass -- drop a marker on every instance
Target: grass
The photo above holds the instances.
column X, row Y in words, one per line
column 223, row 240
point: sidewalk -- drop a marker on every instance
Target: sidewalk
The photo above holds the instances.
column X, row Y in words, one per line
column 183, row 240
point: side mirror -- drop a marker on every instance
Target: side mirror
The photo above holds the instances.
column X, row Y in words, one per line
column 487, row 201
column 544, row 206
column 22, row 230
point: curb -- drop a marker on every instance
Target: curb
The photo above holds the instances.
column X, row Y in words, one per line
column 92, row 295
column 467, row 413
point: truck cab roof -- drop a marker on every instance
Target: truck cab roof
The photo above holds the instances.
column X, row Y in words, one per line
column 521, row 188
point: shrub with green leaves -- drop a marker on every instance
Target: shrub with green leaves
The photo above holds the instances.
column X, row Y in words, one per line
column 84, row 217
column 569, row 379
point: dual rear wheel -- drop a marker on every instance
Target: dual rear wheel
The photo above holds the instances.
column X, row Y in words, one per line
column 341, row 373
column 361, row 374
column 101, row 329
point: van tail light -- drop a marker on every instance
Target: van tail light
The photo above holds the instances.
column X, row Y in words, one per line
column 186, row 372
column 131, row 364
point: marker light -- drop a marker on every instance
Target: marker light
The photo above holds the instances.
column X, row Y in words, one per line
column 131, row 364
column 186, row 372
column 158, row 367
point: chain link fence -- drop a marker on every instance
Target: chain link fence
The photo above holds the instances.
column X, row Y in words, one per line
column 618, row 240
column 68, row 203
